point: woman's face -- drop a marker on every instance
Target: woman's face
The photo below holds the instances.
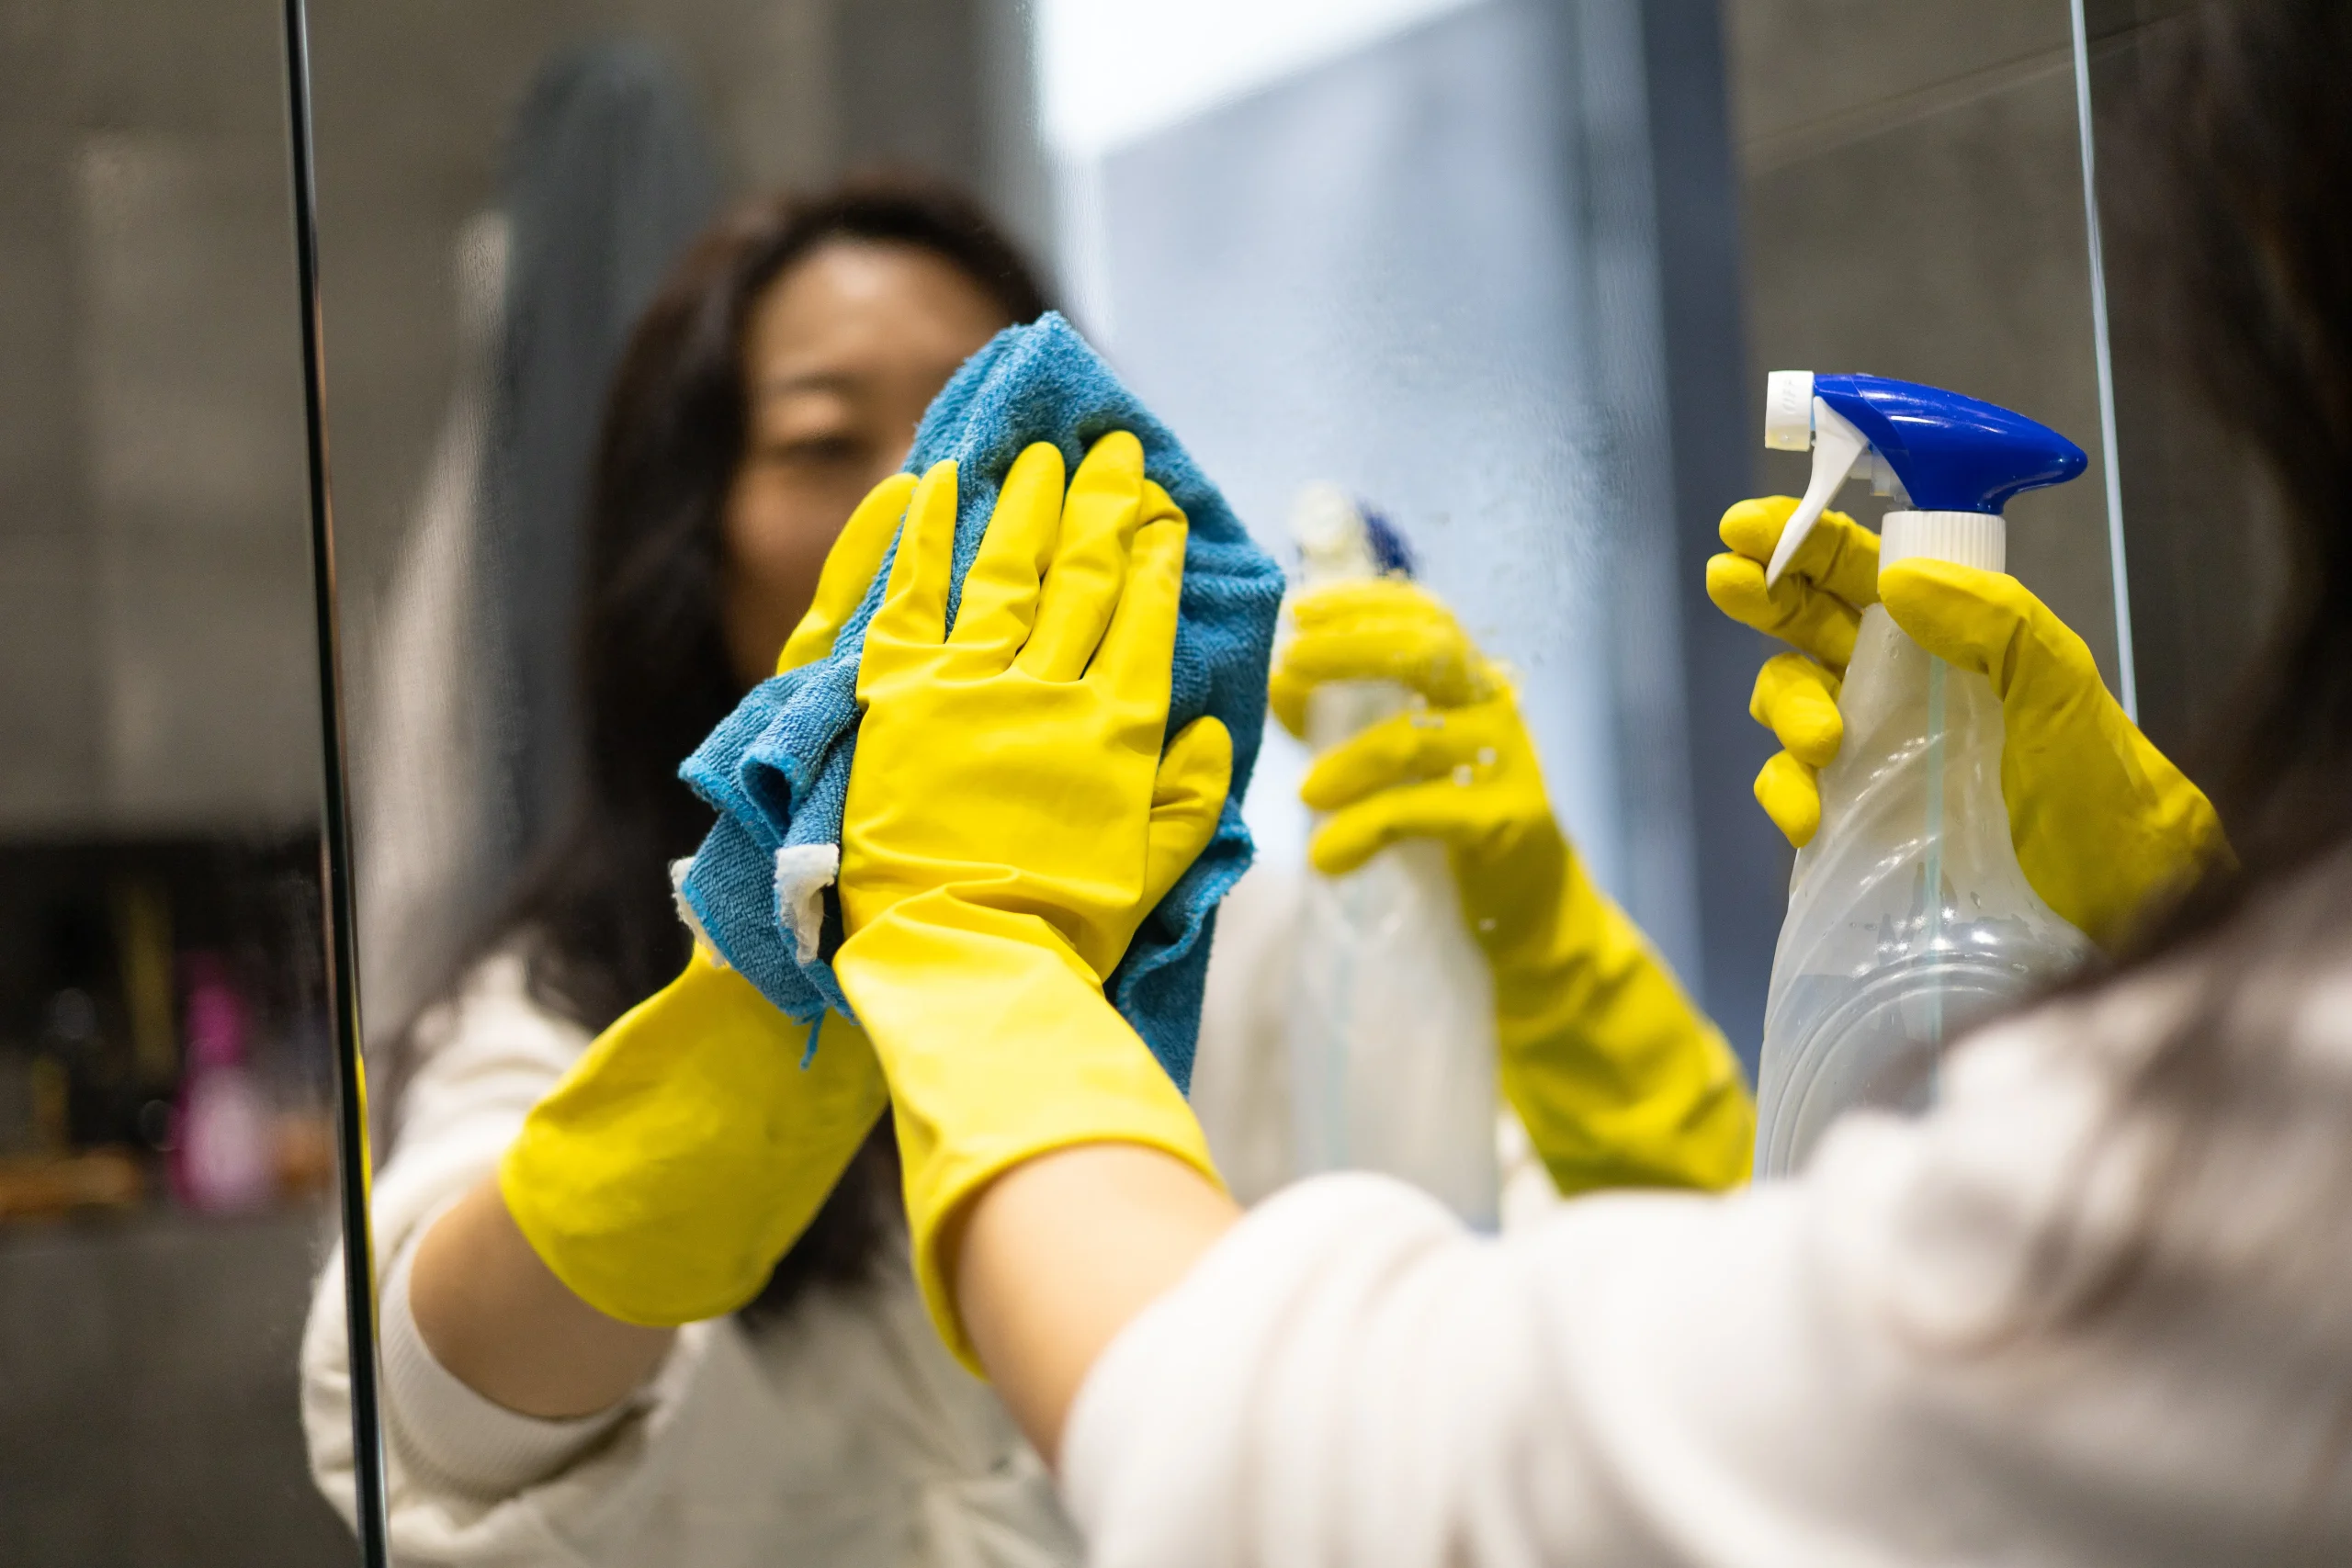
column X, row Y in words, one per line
column 842, row 354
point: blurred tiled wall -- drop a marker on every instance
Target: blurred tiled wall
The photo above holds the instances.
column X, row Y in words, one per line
column 150, row 1415
column 155, row 668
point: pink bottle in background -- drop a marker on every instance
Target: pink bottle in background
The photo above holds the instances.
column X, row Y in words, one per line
column 221, row 1163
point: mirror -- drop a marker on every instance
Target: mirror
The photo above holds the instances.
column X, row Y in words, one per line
column 167, row 1152
column 2201, row 548
column 1508, row 272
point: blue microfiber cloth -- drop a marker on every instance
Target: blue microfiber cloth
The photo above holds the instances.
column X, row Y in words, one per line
column 777, row 769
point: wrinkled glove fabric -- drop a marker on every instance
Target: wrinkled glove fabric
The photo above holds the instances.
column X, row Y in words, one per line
column 777, row 769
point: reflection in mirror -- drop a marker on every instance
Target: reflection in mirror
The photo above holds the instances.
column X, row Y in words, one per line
column 614, row 355
column 2202, row 526
column 166, row 1144
column 603, row 393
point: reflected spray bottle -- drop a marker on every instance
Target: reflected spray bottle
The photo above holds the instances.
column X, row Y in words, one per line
column 1909, row 917
column 1392, row 1044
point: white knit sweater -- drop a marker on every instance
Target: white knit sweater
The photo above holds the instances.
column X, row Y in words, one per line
column 1839, row 1371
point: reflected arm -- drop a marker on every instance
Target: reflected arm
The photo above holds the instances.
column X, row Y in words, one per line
column 494, row 1315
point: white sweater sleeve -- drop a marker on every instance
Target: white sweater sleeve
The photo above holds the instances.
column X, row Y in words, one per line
column 1810, row 1373
column 445, row 1430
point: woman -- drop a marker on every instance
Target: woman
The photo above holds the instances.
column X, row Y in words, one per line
column 555, row 1207
column 778, row 376
column 2090, row 1311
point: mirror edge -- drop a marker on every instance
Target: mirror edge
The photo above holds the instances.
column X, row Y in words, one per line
column 370, row 1513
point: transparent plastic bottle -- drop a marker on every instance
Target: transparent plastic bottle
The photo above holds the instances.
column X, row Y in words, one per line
column 1392, row 1033
column 1909, row 917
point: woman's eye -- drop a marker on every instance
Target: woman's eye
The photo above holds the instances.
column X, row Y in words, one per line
column 814, row 451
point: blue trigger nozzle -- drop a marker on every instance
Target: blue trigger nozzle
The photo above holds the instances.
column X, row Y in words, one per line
column 1952, row 453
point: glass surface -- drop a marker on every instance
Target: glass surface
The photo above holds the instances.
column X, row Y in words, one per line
column 1508, row 272
column 1375, row 246
column 2199, row 521
column 166, row 1143
column 1411, row 254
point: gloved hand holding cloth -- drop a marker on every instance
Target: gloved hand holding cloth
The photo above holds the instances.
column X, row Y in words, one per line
column 1620, row 1080
column 691, row 1144
column 778, row 768
column 1011, row 817
column 2104, row 826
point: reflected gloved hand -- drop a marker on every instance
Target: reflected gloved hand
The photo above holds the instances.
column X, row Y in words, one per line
column 2103, row 823
column 1011, row 820
column 685, row 1152
column 1618, row 1080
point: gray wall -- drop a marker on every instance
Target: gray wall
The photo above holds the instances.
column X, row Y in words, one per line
column 147, row 1396
column 155, row 670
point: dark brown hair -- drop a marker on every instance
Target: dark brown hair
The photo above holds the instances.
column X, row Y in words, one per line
column 2229, row 188
column 591, row 914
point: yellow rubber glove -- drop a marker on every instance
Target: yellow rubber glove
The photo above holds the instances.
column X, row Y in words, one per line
column 2103, row 823
column 683, row 1154
column 1011, row 820
column 1620, row 1080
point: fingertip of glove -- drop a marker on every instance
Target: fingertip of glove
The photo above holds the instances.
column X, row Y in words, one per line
column 1735, row 585
column 1327, row 786
column 1812, row 737
column 1287, row 697
column 1158, row 506
column 1039, row 465
column 1200, row 747
column 1753, row 526
column 1118, row 448
column 1337, row 850
column 1790, row 796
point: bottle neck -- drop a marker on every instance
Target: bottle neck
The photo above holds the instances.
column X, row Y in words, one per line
column 1980, row 539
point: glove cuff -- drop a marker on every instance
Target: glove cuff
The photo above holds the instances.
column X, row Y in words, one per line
column 683, row 1154
column 1619, row 1078
column 998, row 1046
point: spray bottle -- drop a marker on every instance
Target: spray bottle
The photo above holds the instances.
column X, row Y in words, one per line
column 1909, row 917
column 1392, row 1033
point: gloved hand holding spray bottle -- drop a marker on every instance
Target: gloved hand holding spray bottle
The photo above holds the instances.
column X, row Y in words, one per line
column 1909, row 916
